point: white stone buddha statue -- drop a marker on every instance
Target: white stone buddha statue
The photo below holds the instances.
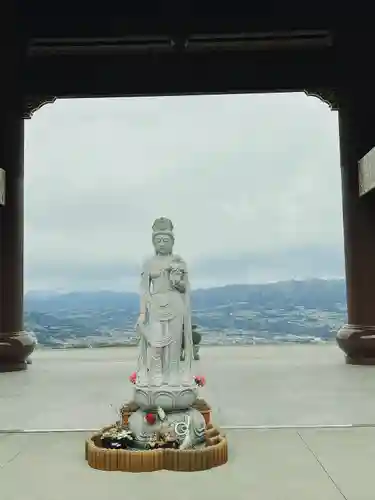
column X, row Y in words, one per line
column 164, row 315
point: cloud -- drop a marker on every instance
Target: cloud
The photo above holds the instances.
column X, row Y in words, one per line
column 262, row 267
column 250, row 180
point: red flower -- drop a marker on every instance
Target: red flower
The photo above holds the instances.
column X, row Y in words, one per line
column 133, row 378
column 150, row 418
column 200, row 380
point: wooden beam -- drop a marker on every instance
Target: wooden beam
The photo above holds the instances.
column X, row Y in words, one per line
column 177, row 72
column 366, row 173
column 2, row 186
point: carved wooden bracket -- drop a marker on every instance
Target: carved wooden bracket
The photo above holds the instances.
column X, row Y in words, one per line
column 327, row 96
column 33, row 104
column 366, row 173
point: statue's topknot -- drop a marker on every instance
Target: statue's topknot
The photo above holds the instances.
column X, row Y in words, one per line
column 161, row 225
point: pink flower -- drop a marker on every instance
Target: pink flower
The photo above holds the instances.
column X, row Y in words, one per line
column 133, row 377
column 200, row 380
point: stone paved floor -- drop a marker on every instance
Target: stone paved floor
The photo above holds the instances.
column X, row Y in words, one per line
column 256, row 385
column 263, row 465
column 253, row 386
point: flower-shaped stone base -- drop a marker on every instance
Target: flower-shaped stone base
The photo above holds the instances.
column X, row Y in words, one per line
column 167, row 397
column 213, row 454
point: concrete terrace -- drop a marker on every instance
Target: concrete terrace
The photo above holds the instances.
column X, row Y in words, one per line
column 280, row 407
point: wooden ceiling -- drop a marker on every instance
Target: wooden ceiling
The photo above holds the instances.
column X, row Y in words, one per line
column 169, row 47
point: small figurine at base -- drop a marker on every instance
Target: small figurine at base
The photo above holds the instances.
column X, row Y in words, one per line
column 197, row 337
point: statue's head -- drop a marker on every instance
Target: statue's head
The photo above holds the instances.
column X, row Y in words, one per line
column 162, row 236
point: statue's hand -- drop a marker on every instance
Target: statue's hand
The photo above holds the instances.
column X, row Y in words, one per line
column 180, row 287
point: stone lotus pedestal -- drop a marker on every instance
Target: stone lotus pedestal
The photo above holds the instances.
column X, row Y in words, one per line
column 155, row 413
column 168, row 397
column 164, row 427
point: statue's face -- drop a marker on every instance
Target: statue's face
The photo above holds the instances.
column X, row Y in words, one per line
column 163, row 244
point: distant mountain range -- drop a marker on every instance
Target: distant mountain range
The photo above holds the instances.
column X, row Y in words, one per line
column 302, row 311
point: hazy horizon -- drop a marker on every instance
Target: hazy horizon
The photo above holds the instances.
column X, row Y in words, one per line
column 251, row 183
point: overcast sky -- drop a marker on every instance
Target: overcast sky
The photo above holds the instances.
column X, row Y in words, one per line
column 251, row 182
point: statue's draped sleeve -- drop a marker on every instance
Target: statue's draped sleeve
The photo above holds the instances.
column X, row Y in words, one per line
column 144, row 292
column 188, row 336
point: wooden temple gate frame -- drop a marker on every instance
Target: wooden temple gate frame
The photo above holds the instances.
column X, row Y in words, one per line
column 356, row 112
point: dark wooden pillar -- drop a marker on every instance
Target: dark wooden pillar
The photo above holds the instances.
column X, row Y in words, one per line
column 357, row 137
column 15, row 344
